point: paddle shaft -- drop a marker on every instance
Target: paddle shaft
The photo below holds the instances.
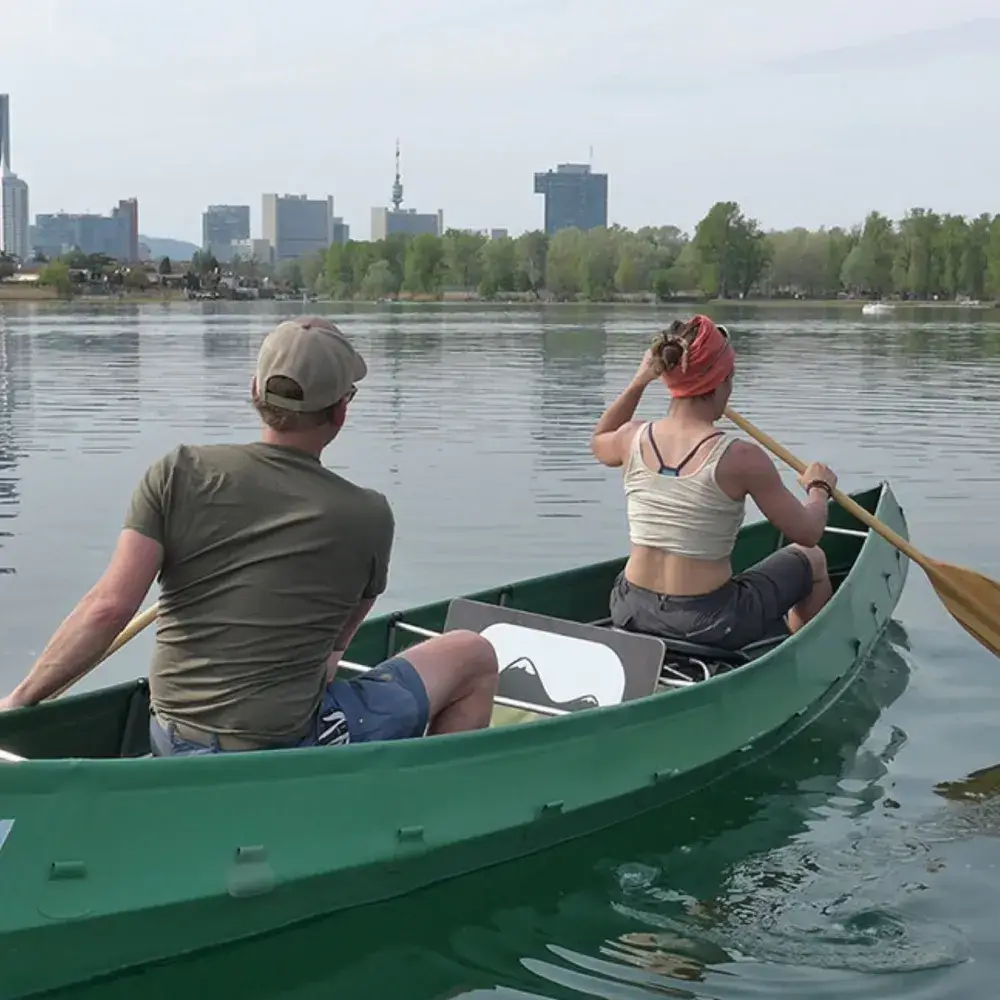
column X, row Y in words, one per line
column 851, row 506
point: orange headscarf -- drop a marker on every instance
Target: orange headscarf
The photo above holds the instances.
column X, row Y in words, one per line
column 707, row 362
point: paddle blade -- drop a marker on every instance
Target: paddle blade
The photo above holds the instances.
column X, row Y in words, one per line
column 981, row 784
column 972, row 599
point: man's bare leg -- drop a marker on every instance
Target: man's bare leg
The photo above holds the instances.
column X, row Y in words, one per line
column 459, row 670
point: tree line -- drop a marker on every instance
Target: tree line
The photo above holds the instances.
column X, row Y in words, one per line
column 924, row 256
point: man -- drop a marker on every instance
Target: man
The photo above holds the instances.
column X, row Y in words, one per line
column 268, row 563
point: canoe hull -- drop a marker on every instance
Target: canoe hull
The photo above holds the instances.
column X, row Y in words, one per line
column 112, row 863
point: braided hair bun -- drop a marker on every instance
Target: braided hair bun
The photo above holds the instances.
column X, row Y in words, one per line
column 670, row 347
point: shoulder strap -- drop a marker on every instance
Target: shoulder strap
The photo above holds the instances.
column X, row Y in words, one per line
column 666, row 470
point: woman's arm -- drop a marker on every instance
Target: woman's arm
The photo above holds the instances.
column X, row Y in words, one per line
column 799, row 522
column 613, row 433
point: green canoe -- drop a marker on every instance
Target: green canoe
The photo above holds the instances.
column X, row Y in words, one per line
column 110, row 858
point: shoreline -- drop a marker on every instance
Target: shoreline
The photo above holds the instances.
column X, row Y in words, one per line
column 48, row 295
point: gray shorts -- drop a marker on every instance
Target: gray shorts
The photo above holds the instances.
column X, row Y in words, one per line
column 749, row 607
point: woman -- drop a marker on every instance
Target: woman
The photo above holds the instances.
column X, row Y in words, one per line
column 686, row 484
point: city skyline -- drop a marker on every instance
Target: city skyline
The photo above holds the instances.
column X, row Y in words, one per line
column 805, row 116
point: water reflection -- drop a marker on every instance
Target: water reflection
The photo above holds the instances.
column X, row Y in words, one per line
column 568, row 398
column 15, row 392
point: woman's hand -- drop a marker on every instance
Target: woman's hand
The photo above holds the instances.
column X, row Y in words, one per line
column 648, row 371
column 818, row 472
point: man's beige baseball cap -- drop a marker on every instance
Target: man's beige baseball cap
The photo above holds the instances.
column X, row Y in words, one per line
column 313, row 352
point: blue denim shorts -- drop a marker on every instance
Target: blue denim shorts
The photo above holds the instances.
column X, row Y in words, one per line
column 388, row 703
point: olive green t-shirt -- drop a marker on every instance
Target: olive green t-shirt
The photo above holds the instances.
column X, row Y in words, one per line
column 266, row 554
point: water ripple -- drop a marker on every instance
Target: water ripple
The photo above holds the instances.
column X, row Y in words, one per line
column 835, row 861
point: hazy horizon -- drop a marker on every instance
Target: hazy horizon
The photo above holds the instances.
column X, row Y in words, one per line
column 804, row 117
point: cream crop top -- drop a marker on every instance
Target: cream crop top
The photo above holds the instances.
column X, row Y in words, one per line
column 685, row 515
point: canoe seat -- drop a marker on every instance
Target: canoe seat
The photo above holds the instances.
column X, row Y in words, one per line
column 556, row 663
column 691, row 661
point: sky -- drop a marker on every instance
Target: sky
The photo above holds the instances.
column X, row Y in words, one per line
column 806, row 113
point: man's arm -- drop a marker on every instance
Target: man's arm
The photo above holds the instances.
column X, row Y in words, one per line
column 383, row 535
column 94, row 623
column 347, row 633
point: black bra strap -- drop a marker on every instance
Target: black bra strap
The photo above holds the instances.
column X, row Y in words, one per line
column 667, row 470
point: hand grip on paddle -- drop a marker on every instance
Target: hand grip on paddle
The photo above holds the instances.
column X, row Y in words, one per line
column 972, row 599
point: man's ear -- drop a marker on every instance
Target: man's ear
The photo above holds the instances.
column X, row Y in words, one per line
column 338, row 413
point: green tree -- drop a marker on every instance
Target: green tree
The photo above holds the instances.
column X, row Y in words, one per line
column 731, row 249
column 463, row 258
column 424, row 265
column 8, row 267
column 203, row 263
column 56, row 275
column 531, row 251
column 839, row 245
column 975, row 258
column 563, row 277
column 684, row 274
column 953, row 240
column 339, row 269
column 393, row 250
column 312, row 267
column 499, row 267
column 164, row 267
column 379, row 282
column 638, row 257
column 599, row 265
column 916, row 265
column 868, row 268
column 800, row 263
column 289, row 274
column 992, row 279
column 924, row 255
column 136, row 279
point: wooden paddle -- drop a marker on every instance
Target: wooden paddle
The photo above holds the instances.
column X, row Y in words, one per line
column 972, row 599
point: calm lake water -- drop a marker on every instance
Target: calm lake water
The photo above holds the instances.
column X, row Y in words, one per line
column 833, row 869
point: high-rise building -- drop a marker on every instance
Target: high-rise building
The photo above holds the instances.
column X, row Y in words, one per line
column 116, row 235
column 295, row 226
column 222, row 225
column 341, row 231
column 257, row 250
column 127, row 212
column 14, row 218
column 574, row 197
column 5, row 132
column 406, row 221
column 14, row 226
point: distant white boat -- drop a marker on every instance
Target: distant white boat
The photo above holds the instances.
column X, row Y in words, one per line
column 876, row 308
